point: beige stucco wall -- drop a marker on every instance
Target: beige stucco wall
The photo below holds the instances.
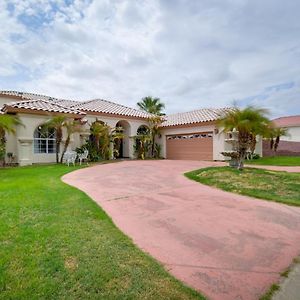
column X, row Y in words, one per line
column 22, row 144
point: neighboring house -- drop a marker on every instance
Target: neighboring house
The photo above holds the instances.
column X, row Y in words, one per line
column 192, row 135
column 290, row 143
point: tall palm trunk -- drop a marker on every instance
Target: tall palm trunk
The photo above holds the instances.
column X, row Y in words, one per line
column 58, row 142
column 2, row 147
column 276, row 143
column 152, row 144
column 65, row 148
column 244, row 143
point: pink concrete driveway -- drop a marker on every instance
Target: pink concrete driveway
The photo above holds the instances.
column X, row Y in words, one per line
column 225, row 245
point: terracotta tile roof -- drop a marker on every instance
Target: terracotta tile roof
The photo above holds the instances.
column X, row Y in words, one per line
column 196, row 116
column 289, row 121
column 42, row 105
column 31, row 96
column 67, row 103
column 104, row 106
column 96, row 105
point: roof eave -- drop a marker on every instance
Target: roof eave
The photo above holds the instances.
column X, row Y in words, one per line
column 10, row 109
column 192, row 124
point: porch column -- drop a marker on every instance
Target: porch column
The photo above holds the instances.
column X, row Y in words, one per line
column 111, row 150
column 25, row 152
column 131, row 149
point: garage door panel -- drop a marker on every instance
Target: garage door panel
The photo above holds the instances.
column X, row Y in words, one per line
column 190, row 148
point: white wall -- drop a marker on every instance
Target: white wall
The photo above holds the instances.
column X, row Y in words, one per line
column 22, row 144
column 293, row 134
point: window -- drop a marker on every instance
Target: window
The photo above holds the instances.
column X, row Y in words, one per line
column 44, row 140
column 190, row 136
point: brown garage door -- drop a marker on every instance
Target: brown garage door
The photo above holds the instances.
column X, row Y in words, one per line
column 194, row 146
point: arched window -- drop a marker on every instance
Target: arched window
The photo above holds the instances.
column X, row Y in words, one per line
column 44, row 140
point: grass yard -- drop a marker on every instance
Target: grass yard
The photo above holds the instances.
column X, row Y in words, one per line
column 270, row 185
column 56, row 243
column 276, row 161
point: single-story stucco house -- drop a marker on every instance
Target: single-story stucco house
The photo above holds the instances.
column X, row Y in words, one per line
column 290, row 143
column 191, row 135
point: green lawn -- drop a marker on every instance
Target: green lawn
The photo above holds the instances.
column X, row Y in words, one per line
column 56, row 243
column 270, row 185
column 276, row 161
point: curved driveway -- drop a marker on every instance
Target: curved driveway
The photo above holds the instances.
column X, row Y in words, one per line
column 225, row 245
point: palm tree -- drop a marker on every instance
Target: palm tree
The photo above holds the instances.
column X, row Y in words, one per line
column 116, row 136
column 154, row 123
column 103, row 135
column 274, row 136
column 71, row 127
column 142, row 141
column 97, row 129
column 248, row 123
column 152, row 105
column 57, row 123
column 8, row 124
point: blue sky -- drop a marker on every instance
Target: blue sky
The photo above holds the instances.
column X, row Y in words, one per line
column 191, row 54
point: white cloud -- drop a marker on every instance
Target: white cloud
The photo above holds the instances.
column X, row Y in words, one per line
column 189, row 53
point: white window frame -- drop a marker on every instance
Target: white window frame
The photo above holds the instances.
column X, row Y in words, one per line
column 39, row 136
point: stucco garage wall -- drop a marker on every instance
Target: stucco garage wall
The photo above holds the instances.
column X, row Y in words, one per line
column 218, row 138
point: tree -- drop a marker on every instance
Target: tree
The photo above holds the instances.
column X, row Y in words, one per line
column 57, row 123
column 152, row 105
column 274, row 136
column 142, row 141
column 102, row 135
column 154, row 123
column 97, row 130
column 116, row 136
column 8, row 124
column 142, row 144
column 248, row 123
column 71, row 127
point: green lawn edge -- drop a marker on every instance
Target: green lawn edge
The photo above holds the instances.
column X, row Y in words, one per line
column 285, row 161
column 29, row 273
column 254, row 192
